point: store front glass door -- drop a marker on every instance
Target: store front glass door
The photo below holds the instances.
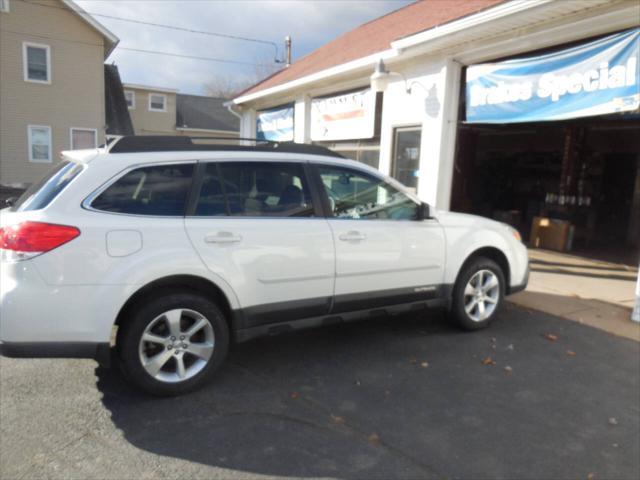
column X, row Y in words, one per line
column 406, row 155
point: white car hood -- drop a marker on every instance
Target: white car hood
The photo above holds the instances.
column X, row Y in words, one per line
column 465, row 220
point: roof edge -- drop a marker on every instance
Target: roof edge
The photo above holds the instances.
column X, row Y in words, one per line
column 397, row 47
column 214, row 130
column 486, row 15
column 321, row 75
column 111, row 38
column 150, row 88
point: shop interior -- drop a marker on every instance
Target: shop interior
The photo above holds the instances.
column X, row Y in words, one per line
column 570, row 186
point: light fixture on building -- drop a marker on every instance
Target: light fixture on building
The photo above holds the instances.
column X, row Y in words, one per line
column 381, row 77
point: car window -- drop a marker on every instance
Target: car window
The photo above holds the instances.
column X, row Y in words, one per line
column 255, row 189
column 42, row 193
column 157, row 190
column 357, row 195
column 211, row 201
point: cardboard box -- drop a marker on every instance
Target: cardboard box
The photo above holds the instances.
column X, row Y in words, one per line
column 551, row 233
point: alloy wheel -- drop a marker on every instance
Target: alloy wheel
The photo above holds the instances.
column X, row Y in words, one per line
column 176, row 345
column 481, row 295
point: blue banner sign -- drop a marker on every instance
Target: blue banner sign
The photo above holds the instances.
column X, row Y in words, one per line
column 275, row 124
column 595, row 78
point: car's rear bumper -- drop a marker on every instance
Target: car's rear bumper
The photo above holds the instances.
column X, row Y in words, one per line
column 97, row 351
column 36, row 313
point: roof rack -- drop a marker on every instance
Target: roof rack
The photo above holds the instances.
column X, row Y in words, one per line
column 175, row 143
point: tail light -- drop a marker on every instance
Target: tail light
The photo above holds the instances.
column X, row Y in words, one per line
column 28, row 239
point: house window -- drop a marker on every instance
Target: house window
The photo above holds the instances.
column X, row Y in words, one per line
column 39, row 143
column 130, row 97
column 82, row 138
column 157, row 102
column 37, row 62
column 4, row 6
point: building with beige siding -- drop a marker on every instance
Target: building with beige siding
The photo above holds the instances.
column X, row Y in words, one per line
column 164, row 111
column 51, row 85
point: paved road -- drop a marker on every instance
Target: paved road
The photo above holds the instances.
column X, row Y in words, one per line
column 351, row 401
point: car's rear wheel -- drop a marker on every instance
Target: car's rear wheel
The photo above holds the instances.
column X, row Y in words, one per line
column 173, row 344
column 478, row 293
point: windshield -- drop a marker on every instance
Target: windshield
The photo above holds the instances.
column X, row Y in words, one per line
column 41, row 193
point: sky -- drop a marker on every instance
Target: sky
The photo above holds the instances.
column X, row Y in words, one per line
column 310, row 23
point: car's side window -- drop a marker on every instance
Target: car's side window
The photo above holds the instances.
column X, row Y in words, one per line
column 211, row 201
column 255, row 189
column 156, row 190
column 357, row 195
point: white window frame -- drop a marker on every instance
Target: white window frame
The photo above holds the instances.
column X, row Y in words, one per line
column 82, row 129
column 4, row 6
column 25, row 62
column 30, row 144
column 133, row 99
column 164, row 97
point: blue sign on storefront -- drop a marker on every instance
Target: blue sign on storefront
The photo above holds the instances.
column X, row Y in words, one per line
column 595, row 78
column 275, row 124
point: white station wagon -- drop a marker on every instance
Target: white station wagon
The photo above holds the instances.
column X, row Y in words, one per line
column 185, row 247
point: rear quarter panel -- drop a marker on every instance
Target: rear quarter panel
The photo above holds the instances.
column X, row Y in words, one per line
column 113, row 275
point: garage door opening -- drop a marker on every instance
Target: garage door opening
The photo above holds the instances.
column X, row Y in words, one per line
column 567, row 186
column 548, row 142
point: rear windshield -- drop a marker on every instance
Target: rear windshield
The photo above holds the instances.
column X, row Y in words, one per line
column 42, row 193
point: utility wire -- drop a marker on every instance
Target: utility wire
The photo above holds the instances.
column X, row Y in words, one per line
column 171, row 27
column 141, row 50
column 210, row 59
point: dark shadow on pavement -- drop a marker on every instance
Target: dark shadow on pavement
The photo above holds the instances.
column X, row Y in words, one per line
column 406, row 397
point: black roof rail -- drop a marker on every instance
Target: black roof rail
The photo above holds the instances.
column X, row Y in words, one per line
column 178, row 143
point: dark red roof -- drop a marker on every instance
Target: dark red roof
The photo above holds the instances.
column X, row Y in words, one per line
column 375, row 36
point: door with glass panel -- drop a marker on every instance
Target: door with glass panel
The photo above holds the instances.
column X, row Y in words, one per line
column 256, row 225
column 384, row 253
column 406, row 156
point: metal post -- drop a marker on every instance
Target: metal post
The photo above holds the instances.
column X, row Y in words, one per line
column 635, row 315
column 287, row 49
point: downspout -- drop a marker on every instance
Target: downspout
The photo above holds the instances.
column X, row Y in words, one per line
column 229, row 106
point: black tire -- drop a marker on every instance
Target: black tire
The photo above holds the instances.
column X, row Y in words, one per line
column 458, row 313
column 131, row 331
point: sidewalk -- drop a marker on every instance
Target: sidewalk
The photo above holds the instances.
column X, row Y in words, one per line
column 592, row 292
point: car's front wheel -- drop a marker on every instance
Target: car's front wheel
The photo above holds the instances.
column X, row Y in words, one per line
column 173, row 344
column 478, row 293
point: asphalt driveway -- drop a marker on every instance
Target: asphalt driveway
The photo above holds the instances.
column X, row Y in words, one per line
column 534, row 396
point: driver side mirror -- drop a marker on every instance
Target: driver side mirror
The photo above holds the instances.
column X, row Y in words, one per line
column 424, row 211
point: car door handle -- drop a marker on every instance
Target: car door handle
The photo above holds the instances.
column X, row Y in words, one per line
column 222, row 237
column 352, row 236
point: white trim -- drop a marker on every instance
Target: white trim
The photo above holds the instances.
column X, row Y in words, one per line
column 584, row 25
column 25, row 62
column 106, row 33
column 464, row 33
column 133, row 99
column 513, row 7
column 365, row 63
column 164, row 102
column 149, row 88
column 4, row 6
column 446, row 159
column 188, row 129
column 82, row 129
column 29, row 143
